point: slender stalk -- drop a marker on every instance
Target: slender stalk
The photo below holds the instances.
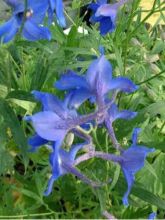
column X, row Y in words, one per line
column 153, row 77
column 108, row 215
column 97, row 154
column 112, row 134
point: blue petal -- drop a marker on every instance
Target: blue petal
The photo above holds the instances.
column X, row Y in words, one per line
column 71, row 80
column 101, row 50
column 106, row 25
column 123, row 84
column 135, row 134
column 8, row 30
column 134, row 158
column 50, row 185
column 114, row 113
column 126, row 114
column 35, row 142
column 55, row 162
column 48, row 125
column 130, row 180
column 93, row 6
column 108, row 10
column 33, row 32
column 79, row 96
column 74, row 150
column 60, row 13
column 99, row 75
column 152, row 216
column 101, row 2
column 51, row 103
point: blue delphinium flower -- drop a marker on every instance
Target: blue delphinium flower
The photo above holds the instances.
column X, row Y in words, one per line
column 57, row 5
column 55, row 121
column 95, row 84
column 131, row 161
column 152, row 216
column 32, row 28
column 105, row 14
column 62, row 162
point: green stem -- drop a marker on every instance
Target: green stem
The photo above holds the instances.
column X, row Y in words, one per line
column 153, row 77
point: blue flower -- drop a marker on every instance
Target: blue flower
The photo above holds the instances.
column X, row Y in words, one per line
column 95, row 84
column 53, row 123
column 32, row 29
column 131, row 161
column 152, row 216
column 105, row 14
column 62, row 162
column 57, row 5
column 114, row 113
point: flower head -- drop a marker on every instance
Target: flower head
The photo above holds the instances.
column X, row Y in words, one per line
column 62, row 162
column 152, row 216
column 53, row 123
column 32, row 28
column 131, row 161
column 95, row 84
column 105, row 14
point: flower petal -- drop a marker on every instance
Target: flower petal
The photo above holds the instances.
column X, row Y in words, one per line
column 134, row 157
column 33, row 32
column 130, row 180
column 60, row 13
column 36, row 141
column 114, row 113
column 8, row 30
column 51, row 103
column 101, row 2
column 74, row 150
column 152, row 216
column 48, row 125
column 108, row 10
column 71, row 80
column 106, row 25
column 99, row 73
column 122, row 84
column 135, row 134
column 55, row 162
column 79, row 96
column 50, row 185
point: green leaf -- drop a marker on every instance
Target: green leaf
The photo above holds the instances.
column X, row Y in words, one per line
column 12, row 122
column 148, row 197
column 6, row 161
column 115, row 177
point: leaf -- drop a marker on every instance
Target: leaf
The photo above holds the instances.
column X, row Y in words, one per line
column 40, row 73
column 6, row 161
column 151, row 169
column 28, row 193
column 12, row 122
column 148, row 197
column 156, row 108
column 115, row 177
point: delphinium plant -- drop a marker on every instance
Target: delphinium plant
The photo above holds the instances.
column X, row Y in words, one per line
column 77, row 160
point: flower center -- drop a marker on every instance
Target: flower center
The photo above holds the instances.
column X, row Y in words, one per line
column 29, row 13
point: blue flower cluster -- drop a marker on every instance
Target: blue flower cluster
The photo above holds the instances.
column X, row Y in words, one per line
column 58, row 118
column 28, row 18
